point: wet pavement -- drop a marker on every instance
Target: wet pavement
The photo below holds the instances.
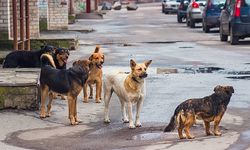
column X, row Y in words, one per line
column 200, row 60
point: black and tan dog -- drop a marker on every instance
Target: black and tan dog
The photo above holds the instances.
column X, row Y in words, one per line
column 209, row 109
column 64, row 81
column 26, row 59
column 95, row 76
column 60, row 57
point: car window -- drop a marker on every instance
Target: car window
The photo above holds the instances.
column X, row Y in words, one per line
column 247, row 2
column 217, row 2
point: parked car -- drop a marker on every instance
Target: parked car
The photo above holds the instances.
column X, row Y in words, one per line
column 211, row 14
column 170, row 6
column 235, row 21
column 194, row 12
column 182, row 10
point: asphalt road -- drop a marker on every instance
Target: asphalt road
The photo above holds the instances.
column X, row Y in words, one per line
column 201, row 61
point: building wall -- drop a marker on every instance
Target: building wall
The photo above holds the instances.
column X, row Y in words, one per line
column 34, row 19
column 57, row 15
column 4, row 9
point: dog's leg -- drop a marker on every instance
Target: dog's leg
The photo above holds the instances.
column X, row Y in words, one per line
column 217, row 120
column 107, row 96
column 71, row 110
column 85, row 93
column 90, row 91
column 207, row 127
column 130, row 115
column 44, row 94
column 180, row 128
column 98, row 91
column 51, row 94
column 123, row 110
column 75, row 110
column 188, row 124
column 138, row 110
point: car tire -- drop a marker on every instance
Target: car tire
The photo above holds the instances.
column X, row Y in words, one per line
column 233, row 39
column 223, row 37
column 166, row 12
column 192, row 23
column 205, row 28
column 179, row 19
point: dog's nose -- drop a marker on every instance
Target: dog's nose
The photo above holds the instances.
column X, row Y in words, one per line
column 102, row 62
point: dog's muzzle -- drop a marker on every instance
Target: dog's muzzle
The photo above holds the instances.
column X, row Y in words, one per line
column 143, row 75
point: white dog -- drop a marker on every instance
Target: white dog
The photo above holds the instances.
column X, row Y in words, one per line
column 130, row 90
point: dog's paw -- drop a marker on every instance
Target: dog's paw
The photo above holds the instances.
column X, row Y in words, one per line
column 107, row 121
column 48, row 114
column 208, row 133
column 138, row 125
column 91, row 97
column 217, row 133
column 131, row 126
column 85, row 101
column 98, row 101
column 42, row 115
column 190, row 137
column 125, row 120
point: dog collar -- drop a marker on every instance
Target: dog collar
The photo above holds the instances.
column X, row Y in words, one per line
column 133, row 78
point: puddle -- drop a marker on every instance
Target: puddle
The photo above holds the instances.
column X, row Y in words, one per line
column 239, row 77
column 147, row 136
column 202, row 70
column 239, row 72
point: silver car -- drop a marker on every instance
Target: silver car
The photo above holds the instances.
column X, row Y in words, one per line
column 194, row 12
column 170, row 6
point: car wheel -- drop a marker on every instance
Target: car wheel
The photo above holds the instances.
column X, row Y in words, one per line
column 192, row 23
column 162, row 10
column 166, row 12
column 233, row 39
column 223, row 37
column 179, row 19
column 205, row 28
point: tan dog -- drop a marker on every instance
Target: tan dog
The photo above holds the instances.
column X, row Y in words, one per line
column 95, row 76
column 129, row 89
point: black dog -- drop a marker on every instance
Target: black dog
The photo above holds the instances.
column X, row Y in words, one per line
column 64, row 81
column 26, row 59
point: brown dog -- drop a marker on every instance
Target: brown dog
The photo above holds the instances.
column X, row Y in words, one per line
column 209, row 109
column 64, row 81
column 95, row 76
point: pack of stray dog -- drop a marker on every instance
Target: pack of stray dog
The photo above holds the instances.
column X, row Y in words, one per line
column 130, row 89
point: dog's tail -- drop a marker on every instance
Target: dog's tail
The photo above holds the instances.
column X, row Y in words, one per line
column 174, row 121
column 47, row 59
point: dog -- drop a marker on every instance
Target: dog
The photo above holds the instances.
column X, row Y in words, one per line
column 95, row 76
column 130, row 90
column 64, row 81
column 60, row 57
column 209, row 109
column 26, row 59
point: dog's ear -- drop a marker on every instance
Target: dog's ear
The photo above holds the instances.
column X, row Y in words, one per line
column 132, row 63
column 91, row 58
column 217, row 88
column 97, row 48
column 147, row 63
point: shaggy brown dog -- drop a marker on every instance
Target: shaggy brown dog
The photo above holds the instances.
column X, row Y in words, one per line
column 64, row 81
column 209, row 109
column 95, row 76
